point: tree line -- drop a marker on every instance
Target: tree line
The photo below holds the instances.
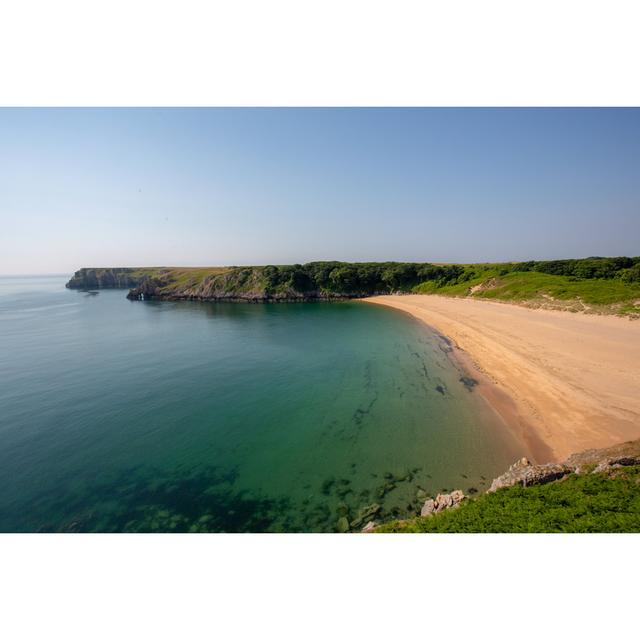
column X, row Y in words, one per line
column 379, row 277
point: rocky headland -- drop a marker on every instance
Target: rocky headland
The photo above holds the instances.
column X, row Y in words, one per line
column 108, row 278
column 231, row 284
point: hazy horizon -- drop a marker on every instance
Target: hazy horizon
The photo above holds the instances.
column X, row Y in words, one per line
column 208, row 187
column 276, row 263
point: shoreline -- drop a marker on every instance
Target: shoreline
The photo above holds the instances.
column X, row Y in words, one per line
column 561, row 382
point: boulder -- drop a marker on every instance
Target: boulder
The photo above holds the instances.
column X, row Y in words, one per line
column 428, row 508
column 369, row 527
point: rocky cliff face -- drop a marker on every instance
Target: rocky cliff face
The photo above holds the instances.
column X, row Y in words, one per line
column 591, row 461
column 117, row 278
column 233, row 285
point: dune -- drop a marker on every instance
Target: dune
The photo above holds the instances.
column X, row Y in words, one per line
column 563, row 381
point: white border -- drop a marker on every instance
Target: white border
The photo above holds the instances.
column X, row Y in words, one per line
column 318, row 586
column 329, row 52
column 291, row 52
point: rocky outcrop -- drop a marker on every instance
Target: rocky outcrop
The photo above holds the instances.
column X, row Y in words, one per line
column 148, row 289
column 118, row 278
column 525, row 474
column 590, row 461
column 597, row 460
column 442, row 501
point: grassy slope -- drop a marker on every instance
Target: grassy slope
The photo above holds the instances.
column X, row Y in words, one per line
column 603, row 502
column 532, row 286
column 180, row 278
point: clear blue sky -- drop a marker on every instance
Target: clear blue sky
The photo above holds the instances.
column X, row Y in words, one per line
column 102, row 187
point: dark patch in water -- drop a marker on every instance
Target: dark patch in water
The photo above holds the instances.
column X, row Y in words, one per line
column 327, row 486
column 440, row 390
column 360, row 414
column 197, row 501
column 468, row 382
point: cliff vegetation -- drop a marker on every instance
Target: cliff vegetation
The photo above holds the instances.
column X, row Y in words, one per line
column 607, row 285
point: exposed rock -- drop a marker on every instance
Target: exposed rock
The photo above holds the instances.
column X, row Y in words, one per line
column 117, row 278
column 625, row 454
column 149, row 288
column 614, row 463
column 449, row 500
column 369, row 527
column 443, row 501
column 525, row 474
column 597, row 460
column 428, row 508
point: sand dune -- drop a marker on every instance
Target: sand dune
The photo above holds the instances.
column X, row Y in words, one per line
column 564, row 381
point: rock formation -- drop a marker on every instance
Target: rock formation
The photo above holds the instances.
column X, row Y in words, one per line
column 118, row 278
column 525, row 473
column 442, row 501
column 590, row 461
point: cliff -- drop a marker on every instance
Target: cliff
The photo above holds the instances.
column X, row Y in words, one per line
column 237, row 284
column 109, row 278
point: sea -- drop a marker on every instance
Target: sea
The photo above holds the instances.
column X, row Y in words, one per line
column 149, row 416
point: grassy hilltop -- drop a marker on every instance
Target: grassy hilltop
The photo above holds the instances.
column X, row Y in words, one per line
column 609, row 285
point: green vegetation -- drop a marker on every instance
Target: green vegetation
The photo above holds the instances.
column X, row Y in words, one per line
column 602, row 502
column 609, row 285
column 542, row 288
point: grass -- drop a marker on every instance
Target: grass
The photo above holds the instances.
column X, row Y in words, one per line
column 606, row 502
column 179, row 279
column 532, row 286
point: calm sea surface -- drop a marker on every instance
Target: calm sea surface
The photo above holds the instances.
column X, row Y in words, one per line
column 160, row 416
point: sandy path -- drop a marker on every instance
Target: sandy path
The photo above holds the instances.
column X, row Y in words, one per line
column 574, row 379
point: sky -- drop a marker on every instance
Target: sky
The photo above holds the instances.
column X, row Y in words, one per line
column 191, row 187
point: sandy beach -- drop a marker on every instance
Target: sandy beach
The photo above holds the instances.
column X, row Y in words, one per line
column 564, row 381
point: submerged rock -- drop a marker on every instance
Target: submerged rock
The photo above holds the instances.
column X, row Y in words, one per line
column 342, row 525
column 365, row 514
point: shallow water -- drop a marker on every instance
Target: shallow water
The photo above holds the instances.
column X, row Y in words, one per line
column 159, row 416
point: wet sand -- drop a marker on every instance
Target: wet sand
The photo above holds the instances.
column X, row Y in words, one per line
column 563, row 381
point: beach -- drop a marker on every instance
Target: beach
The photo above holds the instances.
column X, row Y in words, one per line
column 563, row 381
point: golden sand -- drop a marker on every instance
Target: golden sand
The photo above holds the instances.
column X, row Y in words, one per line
column 563, row 381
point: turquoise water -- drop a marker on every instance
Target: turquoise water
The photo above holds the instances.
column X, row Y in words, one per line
column 159, row 416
